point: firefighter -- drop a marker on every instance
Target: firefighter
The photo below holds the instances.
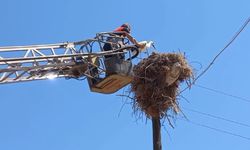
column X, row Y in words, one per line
column 117, row 63
column 122, row 31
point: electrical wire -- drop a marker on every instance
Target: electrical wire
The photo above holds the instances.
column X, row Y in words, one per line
column 217, row 91
column 217, row 117
column 216, row 129
column 220, row 52
column 227, row 45
column 223, row 93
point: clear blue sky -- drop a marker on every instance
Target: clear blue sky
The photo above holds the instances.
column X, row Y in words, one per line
column 65, row 115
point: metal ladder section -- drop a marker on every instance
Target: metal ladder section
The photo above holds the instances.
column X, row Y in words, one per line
column 68, row 59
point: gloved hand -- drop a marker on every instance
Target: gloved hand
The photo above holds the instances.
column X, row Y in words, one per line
column 143, row 45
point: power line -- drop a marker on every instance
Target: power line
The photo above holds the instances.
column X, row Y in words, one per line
column 223, row 93
column 217, row 130
column 220, row 52
column 217, row 117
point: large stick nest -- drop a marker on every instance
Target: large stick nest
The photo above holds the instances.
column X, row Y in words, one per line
column 152, row 92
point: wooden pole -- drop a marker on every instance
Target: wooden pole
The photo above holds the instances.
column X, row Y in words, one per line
column 156, row 124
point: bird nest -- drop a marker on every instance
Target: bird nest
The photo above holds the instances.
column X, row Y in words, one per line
column 154, row 88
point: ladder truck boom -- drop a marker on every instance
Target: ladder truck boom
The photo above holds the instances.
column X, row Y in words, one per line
column 78, row 60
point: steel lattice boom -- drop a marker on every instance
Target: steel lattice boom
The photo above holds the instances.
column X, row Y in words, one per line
column 69, row 59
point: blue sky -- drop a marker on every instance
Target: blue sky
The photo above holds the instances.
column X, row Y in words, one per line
column 64, row 114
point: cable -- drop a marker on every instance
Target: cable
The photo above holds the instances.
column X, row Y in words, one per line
column 221, row 51
column 227, row 45
column 216, row 129
column 223, row 93
column 217, row 117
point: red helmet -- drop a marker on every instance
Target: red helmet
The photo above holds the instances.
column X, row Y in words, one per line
column 124, row 27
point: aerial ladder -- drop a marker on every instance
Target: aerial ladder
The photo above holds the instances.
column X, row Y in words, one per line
column 79, row 60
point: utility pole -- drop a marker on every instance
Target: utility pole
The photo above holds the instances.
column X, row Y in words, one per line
column 156, row 125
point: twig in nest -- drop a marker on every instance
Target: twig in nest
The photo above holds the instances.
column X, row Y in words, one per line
column 157, row 96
